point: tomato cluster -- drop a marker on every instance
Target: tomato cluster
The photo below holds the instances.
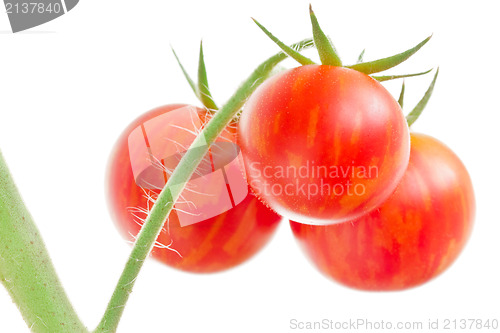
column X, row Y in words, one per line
column 382, row 238
column 375, row 206
column 403, row 223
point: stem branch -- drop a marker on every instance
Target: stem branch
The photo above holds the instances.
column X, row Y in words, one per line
column 174, row 187
column 26, row 270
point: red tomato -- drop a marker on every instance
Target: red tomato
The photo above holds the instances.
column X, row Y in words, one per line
column 412, row 237
column 323, row 144
column 217, row 223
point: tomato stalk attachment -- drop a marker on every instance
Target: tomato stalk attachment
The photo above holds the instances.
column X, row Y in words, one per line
column 328, row 54
column 201, row 88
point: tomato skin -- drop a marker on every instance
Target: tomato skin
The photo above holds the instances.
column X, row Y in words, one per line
column 213, row 245
column 412, row 237
column 341, row 126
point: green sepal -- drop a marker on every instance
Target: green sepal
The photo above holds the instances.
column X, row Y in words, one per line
column 393, row 77
column 327, row 53
column 401, row 95
column 285, row 48
column 302, row 45
column 361, row 56
column 186, row 75
column 380, row 65
column 204, row 94
column 417, row 110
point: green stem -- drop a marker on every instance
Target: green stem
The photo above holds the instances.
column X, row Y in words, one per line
column 26, row 270
column 173, row 188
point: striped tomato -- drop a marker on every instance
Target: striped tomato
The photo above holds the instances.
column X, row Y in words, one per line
column 323, row 144
column 412, row 237
column 217, row 223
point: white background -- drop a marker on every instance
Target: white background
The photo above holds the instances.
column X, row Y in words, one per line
column 67, row 89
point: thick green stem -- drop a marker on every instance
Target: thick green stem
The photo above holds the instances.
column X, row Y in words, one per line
column 174, row 187
column 26, row 270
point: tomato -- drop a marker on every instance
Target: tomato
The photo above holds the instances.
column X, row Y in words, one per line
column 323, row 144
column 217, row 223
column 412, row 237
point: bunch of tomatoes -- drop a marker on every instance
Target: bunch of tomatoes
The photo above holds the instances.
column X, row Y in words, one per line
column 374, row 205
